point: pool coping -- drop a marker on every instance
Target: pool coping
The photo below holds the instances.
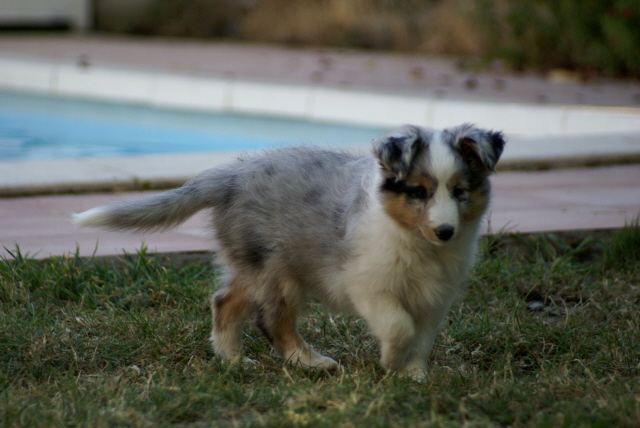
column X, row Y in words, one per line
column 210, row 93
column 541, row 136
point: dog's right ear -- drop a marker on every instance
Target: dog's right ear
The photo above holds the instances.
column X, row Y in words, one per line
column 397, row 151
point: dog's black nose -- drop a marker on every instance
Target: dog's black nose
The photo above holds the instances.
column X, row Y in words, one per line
column 444, row 232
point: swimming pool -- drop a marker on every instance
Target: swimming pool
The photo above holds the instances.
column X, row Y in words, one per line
column 37, row 127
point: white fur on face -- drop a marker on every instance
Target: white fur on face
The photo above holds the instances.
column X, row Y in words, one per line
column 444, row 209
column 442, row 161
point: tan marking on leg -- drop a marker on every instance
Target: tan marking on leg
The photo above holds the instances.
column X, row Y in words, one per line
column 278, row 323
column 230, row 307
column 286, row 338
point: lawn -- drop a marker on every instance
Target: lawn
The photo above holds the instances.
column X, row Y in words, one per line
column 547, row 335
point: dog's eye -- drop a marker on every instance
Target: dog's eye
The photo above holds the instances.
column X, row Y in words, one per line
column 458, row 192
column 417, row 192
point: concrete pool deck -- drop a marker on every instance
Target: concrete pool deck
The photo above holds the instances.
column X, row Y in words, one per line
column 550, row 123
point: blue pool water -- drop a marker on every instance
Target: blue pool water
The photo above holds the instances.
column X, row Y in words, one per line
column 34, row 127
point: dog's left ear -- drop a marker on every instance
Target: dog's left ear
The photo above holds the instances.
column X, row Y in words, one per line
column 478, row 147
column 397, row 151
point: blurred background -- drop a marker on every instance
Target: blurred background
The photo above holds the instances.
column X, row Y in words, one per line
column 587, row 38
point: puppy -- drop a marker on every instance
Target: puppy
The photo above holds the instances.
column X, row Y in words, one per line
column 389, row 237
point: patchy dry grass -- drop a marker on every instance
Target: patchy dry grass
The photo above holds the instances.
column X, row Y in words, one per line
column 546, row 336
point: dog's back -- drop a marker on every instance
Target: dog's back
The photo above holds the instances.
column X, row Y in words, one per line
column 291, row 209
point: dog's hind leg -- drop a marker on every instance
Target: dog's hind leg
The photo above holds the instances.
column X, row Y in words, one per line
column 230, row 307
column 277, row 321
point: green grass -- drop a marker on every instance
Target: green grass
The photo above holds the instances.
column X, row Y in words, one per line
column 624, row 250
column 547, row 335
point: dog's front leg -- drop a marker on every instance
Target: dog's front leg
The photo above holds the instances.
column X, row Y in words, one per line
column 394, row 328
column 416, row 363
column 427, row 328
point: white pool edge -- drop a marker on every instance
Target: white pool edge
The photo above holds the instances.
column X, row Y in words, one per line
column 308, row 102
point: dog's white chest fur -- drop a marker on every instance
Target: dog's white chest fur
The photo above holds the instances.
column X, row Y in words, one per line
column 391, row 261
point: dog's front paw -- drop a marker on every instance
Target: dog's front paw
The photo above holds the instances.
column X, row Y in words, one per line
column 418, row 374
column 310, row 359
column 416, row 371
column 325, row 363
column 240, row 359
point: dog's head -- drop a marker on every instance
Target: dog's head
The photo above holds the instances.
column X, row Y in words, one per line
column 436, row 181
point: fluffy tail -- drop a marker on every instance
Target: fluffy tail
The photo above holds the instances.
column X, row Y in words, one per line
column 157, row 212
